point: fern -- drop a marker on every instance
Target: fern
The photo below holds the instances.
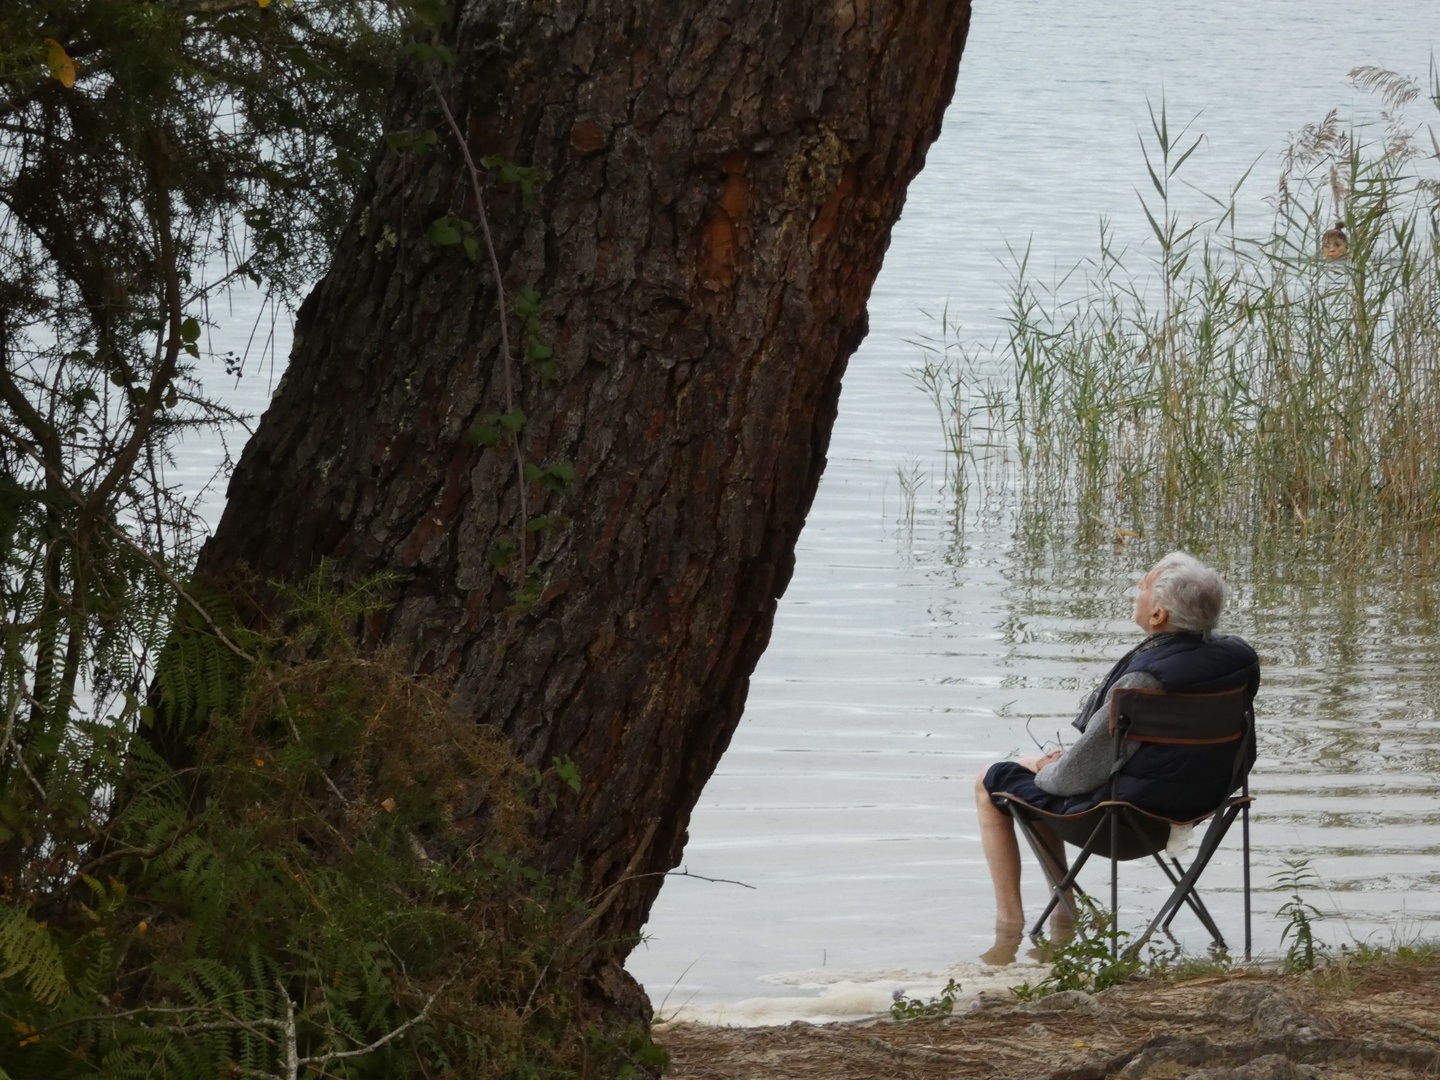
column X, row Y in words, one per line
column 31, row 955
column 91, row 958
column 257, row 874
column 197, row 673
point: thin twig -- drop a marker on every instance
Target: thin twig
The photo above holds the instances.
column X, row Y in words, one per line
column 141, row 852
column 162, row 1010
column 340, row 1055
column 292, row 1053
column 143, row 416
column 607, row 896
column 239, row 268
column 295, row 733
column 294, row 1063
column 531, row 996
column 702, row 877
column 478, row 189
column 676, row 873
column 9, row 741
column 252, row 1026
column 124, row 538
column 180, row 590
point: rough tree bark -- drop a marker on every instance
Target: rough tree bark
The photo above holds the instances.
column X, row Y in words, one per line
column 719, row 182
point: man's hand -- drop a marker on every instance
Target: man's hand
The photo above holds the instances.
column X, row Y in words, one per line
column 1035, row 764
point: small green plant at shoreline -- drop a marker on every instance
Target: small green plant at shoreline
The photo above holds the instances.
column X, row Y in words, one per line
column 1300, row 916
column 1086, row 963
column 942, row 1004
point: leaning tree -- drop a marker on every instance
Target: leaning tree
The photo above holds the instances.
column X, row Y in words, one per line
column 569, row 380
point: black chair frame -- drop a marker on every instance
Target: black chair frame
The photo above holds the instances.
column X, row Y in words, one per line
column 1121, row 831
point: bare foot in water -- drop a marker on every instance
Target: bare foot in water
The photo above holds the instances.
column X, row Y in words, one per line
column 1062, row 932
column 1043, row 949
column 1007, row 944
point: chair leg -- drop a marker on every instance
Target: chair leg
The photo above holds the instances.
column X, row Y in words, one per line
column 1191, row 897
column 1058, row 887
column 1192, row 900
column 1114, row 885
column 1195, row 904
column 1245, row 844
column 1219, row 825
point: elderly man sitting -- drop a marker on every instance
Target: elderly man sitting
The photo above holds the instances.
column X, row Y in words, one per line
column 1178, row 607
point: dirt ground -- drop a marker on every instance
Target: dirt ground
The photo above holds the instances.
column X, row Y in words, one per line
column 1378, row 1019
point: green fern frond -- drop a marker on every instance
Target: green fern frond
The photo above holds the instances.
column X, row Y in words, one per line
column 30, row 953
column 196, row 672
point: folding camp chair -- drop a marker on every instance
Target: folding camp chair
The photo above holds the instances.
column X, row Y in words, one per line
column 1121, row 831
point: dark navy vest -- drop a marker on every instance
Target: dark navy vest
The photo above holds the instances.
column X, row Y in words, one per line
column 1182, row 782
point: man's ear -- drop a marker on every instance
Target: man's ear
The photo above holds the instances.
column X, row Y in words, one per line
column 1158, row 616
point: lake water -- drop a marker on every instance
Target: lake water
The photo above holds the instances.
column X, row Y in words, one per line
column 904, row 659
column 903, row 662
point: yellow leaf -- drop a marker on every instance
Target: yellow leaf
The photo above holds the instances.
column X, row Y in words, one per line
column 61, row 66
column 389, row 805
column 142, row 927
column 259, row 761
column 264, row 3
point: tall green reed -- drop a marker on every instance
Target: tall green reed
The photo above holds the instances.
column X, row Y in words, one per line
column 1233, row 386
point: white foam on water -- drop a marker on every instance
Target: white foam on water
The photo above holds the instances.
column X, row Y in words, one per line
column 849, row 995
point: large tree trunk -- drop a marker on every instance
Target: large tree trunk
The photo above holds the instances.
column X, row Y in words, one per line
column 719, row 179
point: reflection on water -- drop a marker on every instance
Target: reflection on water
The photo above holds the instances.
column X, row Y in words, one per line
column 906, row 659
column 914, row 657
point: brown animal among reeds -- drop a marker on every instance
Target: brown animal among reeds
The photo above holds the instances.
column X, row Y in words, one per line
column 1334, row 243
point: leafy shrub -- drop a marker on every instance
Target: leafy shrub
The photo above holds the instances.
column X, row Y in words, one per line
column 341, row 870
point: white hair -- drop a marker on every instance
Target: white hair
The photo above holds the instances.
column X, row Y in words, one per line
column 1190, row 592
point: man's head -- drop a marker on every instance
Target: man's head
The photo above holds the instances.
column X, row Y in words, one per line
column 1179, row 593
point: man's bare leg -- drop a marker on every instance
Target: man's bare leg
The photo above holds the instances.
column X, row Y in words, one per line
column 1002, row 855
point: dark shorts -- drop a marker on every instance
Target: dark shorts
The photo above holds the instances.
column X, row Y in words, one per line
column 1012, row 778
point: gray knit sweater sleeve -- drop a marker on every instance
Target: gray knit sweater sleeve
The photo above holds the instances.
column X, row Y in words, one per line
column 1086, row 765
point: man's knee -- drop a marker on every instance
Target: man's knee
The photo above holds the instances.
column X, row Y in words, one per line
column 982, row 793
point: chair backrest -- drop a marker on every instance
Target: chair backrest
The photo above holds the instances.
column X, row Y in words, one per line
column 1154, row 716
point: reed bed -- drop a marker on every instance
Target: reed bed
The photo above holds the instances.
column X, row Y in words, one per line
column 1280, row 386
